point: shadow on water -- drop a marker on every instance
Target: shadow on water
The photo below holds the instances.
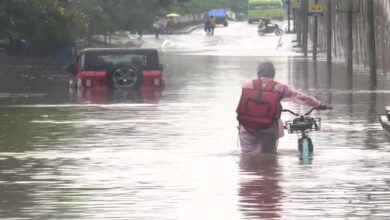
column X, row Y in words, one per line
column 371, row 119
column 329, row 77
column 315, row 74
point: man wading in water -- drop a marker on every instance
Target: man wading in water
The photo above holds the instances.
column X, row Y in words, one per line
column 259, row 109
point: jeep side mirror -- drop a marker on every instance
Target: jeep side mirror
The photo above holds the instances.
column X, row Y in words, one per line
column 71, row 68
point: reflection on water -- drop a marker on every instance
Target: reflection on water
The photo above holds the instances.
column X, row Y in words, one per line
column 260, row 193
column 175, row 155
column 107, row 96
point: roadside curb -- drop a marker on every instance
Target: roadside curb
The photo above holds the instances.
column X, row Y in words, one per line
column 187, row 30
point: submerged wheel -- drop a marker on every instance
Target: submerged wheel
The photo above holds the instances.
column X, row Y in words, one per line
column 125, row 77
column 305, row 145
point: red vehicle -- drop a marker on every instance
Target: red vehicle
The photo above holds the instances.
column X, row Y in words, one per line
column 116, row 68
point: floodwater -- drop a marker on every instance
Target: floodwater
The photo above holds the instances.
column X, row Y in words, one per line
column 174, row 154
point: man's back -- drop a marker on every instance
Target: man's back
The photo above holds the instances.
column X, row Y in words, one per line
column 287, row 93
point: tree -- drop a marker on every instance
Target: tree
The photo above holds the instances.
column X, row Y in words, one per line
column 47, row 25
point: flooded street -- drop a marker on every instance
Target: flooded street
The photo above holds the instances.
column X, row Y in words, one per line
column 174, row 154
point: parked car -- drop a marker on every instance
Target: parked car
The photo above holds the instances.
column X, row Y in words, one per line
column 116, row 68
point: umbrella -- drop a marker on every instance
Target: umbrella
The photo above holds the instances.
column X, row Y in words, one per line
column 172, row 15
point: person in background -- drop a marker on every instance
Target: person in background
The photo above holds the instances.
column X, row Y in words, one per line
column 261, row 25
column 169, row 26
column 157, row 26
column 207, row 25
column 213, row 22
column 259, row 110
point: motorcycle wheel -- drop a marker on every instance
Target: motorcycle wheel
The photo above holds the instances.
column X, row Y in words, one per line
column 278, row 32
column 261, row 33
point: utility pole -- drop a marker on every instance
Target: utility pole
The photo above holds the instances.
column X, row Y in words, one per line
column 109, row 39
column 329, row 33
column 371, row 42
column 315, row 35
column 295, row 20
column 305, row 25
column 350, row 38
column 299, row 25
column 288, row 15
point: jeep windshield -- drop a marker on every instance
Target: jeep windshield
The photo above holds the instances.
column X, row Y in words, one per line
column 107, row 60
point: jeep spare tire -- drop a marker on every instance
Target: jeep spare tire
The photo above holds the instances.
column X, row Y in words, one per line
column 124, row 77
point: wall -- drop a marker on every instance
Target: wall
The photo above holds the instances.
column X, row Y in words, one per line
column 339, row 28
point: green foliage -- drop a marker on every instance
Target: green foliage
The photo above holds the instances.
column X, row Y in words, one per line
column 50, row 24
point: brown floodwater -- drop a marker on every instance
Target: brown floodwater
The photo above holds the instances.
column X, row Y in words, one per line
column 174, row 155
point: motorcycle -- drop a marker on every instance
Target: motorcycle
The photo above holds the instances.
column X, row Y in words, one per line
column 270, row 28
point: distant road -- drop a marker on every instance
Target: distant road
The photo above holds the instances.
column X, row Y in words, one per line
column 237, row 39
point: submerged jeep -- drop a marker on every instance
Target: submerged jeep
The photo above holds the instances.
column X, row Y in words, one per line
column 116, row 68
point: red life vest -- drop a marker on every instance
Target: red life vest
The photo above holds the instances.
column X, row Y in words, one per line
column 259, row 107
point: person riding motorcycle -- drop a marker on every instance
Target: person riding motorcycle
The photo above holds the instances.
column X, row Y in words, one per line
column 213, row 22
column 208, row 26
column 263, row 24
